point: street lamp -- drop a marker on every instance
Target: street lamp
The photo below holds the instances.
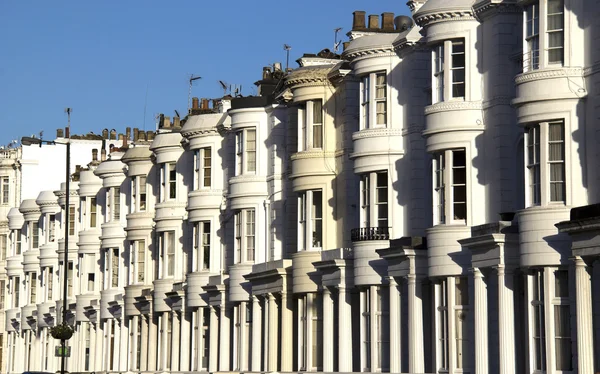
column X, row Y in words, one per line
column 31, row 141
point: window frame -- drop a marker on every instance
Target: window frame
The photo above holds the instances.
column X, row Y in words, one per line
column 542, row 168
column 370, row 203
column 139, row 193
column 444, row 71
column 203, row 168
column 245, row 234
column 370, row 111
column 309, row 126
column 168, row 250
column 168, row 181
column 308, row 220
column 202, row 246
column 444, row 187
column 111, row 268
column 138, row 261
column 5, row 190
column 246, row 151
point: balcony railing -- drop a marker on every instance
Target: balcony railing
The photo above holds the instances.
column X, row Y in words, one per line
column 370, row 233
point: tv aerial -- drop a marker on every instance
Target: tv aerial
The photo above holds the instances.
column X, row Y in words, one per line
column 287, row 48
column 336, row 43
column 192, row 79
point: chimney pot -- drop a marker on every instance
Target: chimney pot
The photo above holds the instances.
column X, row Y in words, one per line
column 176, row 122
column 195, row 103
column 358, row 21
column 103, row 154
column 142, row 135
column 277, row 66
column 373, row 21
column 67, row 132
column 215, row 103
column 60, row 133
column 95, row 154
column 387, row 21
column 204, row 103
column 105, row 134
column 136, row 134
column 149, row 135
column 113, row 134
column 128, row 133
column 166, row 122
column 124, row 141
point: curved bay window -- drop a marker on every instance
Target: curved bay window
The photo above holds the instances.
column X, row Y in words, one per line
column 450, row 186
column 310, row 220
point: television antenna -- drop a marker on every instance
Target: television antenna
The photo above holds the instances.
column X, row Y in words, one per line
column 287, row 49
column 191, row 80
column 224, row 86
column 336, row 43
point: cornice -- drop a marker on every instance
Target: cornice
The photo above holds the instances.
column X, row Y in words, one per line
column 486, row 8
column 311, row 154
column 379, row 51
column 197, row 132
column 426, row 19
column 548, row 74
column 448, row 106
column 497, row 100
column 591, row 70
column 247, row 178
column 373, row 133
column 413, row 129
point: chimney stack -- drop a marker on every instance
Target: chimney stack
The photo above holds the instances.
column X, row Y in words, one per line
column 128, row 133
column 215, row 103
column 358, row 22
column 105, row 134
column 166, row 122
column 195, row 103
column 149, row 135
column 373, row 21
column 103, row 154
column 113, row 134
column 95, row 154
column 204, row 103
column 176, row 122
column 142, row 136
column 387, row 21
column 60, row 133
column 136, row 134
column 67, row 132
column 124, row 139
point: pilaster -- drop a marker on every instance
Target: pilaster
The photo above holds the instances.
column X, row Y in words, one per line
column 506, row 318
column 224, row 348
column 394, row 326
column 327, row 331
column 585, row 329
column 272, row 341
column 256, row 334
column 287, row 345
column 481, row 323
column 416, row 361
column 213, row 353
column 345, row 332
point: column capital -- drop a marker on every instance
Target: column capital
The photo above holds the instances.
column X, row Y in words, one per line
column 392, row 281
column 270, row 296
column 578, row 261
column 326, row 290
column 476, row 272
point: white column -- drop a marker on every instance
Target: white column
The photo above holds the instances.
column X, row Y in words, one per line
column 481, row 323
column 123, row 356
column 175, row 340
column 93, row 328
column 416, row 361
column 133, row 346
column 585, row 328
column 273, row 346
column 224, row 327
column 152, row 339
column 256, row 334
column 214, row 340
column 344, row 331
column 186, row 333
column 244, row 348
column 394, row 326
column 375, row 364
column 163, row 340
column 327, row 331
column 506, row 320
column 287, row 343
column 144, row 348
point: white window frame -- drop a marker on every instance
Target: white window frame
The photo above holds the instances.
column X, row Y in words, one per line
column 310, row 330
column 34, row 234
column 371, row 205
column 539, row 164
column 538, row 34
column 168, row 178
column 111, row 268
column 18, row 242
column 72, row 220
column 15, row 288
column 202, row 246
column 3, row 247
column 542, row 282
column 374, row 100
column 309, row 220
column 139, row 193
column 245, row 235
column 31, row 286
column 138, row 261
column 203, row 168
column 374, row 329
column 531, row 27
column 5, row 190
column 311, row 125
column 114, row 203
column 246, row 151
column 48, row 283
column 446, row 74
column 445, row 186
column 51, row 228
column 168, row 250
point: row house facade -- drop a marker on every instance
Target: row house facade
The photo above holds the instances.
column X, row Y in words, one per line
column 423, row 202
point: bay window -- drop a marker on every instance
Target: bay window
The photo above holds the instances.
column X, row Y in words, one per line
column 450, row 186
column 449, row 80
column 5, row 190
column 3, row 243
column 373, row 98
column 203, row 168
column 245, row 235
column 374, row 200
column 552, row 37
column 139, row 195
column 47, row 282
column 2, row 290
column 72, row 220
column 549, row 314
column 114, row 204
column 87, row 269
column 17, row 241
column 545, row 143
column 15, row 290
column 531, row 60
column 35, row 234
column 31, row 280
column 310, row 220
column 201, row 257
column 138, row 261
column 555, row 31
column 167, row 252
column 51, row 228
column 111, row 268
column 245, row 150
column 311, row 129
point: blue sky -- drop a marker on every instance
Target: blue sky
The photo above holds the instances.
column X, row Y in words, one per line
column 118, row 63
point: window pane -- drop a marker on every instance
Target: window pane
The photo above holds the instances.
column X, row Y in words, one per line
column 317, row 111
column 562, row 327
column 317, row 136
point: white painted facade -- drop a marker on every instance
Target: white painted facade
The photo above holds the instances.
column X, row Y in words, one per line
column 408, row 206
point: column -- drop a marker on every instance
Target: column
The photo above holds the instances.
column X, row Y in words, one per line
column 256, row 334
column 224, row 348
column 144, row 348
column 327, row 331
column 175, row 340
column 186, row 333
column 506, row 320
column 123, row 357
column 93, row 328
column 213, row 353
column 416, row 361
column 394, row 326
column 585, row 327
column 481, row 323
column 287, row 344
column 152, row 339
column 272, row 341
column 344, row 331
column 163, row 340
column 133, row 346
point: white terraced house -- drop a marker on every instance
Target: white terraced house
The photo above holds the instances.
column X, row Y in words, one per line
column 427, row 201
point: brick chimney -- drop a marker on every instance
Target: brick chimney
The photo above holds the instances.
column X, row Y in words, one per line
column 204, row 103
column 128, row 133
column 166, row 122
column 176, row 122
column 142, row 136
column 105, row 134
column 95, row 154
column 136, row 134
column 358, row 21
column 373, row 22
column 195, row 103
column 60, row 133
column 113, row 134
column 387, row 21
column 149, row 135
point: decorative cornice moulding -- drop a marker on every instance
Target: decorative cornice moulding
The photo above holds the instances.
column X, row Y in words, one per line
column 449, row 106
column 548, row 74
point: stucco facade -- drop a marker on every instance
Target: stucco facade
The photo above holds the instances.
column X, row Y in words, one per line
column 420, row 203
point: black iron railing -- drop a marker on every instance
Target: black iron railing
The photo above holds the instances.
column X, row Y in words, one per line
column 370, row 233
